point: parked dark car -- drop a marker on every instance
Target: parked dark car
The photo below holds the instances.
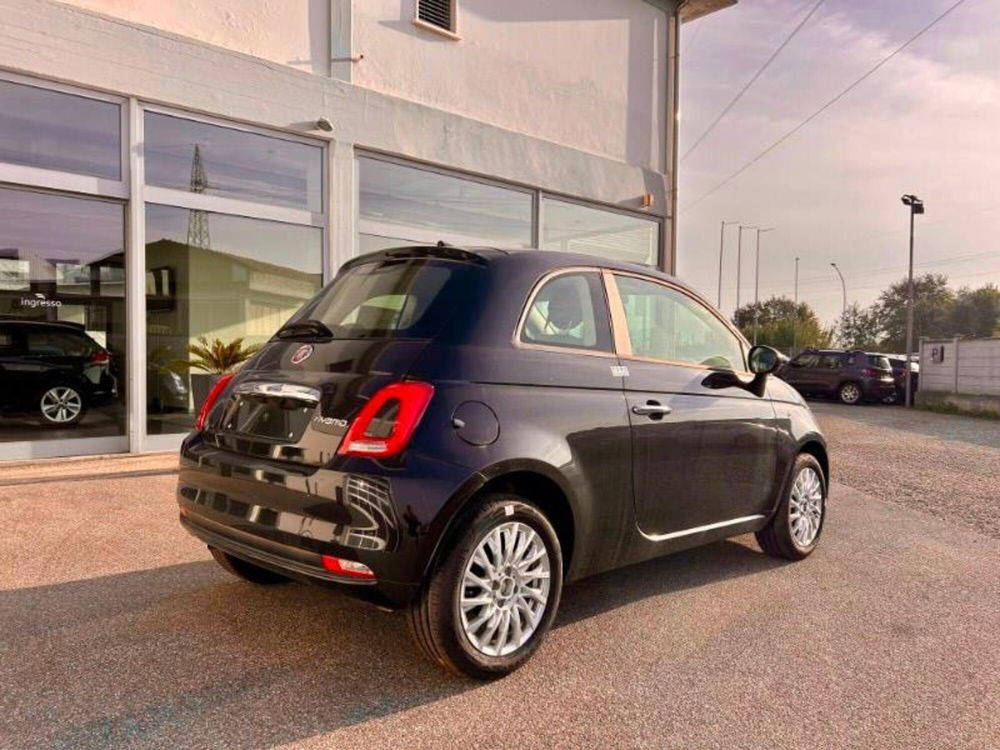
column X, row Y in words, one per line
column 458, row 432
column 898, row 364
column 53, row 370
column 851, row 376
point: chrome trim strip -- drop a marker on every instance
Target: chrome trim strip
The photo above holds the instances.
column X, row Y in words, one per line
column 280, row 390
column 699, row 529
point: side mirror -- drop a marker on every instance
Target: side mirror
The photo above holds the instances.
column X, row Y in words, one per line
column 764, row 360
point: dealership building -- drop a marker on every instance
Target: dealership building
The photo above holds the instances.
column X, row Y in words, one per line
column 176, row 174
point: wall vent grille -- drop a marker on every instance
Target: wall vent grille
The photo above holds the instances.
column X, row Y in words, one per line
column 440, row 13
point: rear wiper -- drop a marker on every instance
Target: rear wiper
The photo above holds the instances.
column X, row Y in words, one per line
column 309, row 329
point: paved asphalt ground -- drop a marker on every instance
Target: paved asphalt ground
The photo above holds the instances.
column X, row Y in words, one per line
column 117, row 630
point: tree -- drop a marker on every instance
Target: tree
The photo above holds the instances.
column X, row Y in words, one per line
column 976, row 312
column 933, row 302
column 858, row 328
column 780, row 323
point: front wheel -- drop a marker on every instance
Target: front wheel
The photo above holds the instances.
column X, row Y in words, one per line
column 492, row 599
column 793, row 532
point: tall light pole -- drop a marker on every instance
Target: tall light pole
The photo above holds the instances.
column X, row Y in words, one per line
column 756, row 283
column 795, row 320
column 739, row 263
column 843, row 286
column 916, row 207
column 722, row 241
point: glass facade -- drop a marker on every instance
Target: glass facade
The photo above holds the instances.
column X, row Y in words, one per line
column 62, row 317
column 401, row 205
column 109, row 288
column 58, row 131
column 574, row 228
column 240, row 287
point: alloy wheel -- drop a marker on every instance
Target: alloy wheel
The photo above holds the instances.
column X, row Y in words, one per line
column 61, row 404
column 850, row 393
column 505, row 589
column 805, row 508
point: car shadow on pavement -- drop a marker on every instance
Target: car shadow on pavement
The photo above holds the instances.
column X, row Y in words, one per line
column 185, row 655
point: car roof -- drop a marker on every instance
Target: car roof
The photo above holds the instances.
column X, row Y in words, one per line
column 65, row 324
column 541, row 261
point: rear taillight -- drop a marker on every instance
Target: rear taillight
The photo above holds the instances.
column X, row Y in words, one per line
column 101, row 357
column 343, row 567
column 386, row 423
column 213, row 396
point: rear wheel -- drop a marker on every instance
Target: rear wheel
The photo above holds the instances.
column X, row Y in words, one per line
column 849, row 393
column 795, row 528
column 245, row 570
column 492, row 599
column 61, row 405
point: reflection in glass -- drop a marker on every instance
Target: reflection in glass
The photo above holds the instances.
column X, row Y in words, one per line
column 198, row 157
column 572, row 228
column 422, row 206
column 65, row 132
column 62, row 317
column 244, row 285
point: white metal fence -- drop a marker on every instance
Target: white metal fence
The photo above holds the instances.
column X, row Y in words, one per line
column 969, row 366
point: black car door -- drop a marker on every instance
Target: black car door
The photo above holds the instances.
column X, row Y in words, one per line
column 702, row 455
column 803, row 372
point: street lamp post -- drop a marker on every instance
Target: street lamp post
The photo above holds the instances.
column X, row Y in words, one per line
column 795, row 320
column 843, row 286
column 916, row 207
column 722, row 240
column 739, row 263
column 756, row 283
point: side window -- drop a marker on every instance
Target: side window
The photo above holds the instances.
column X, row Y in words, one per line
column 831, row 361
column 807, row 360
column 58, row 344
column 667, row 324
column 7, row 343
column 569, row 310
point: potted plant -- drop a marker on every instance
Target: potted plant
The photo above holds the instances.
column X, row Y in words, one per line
column 214, row 358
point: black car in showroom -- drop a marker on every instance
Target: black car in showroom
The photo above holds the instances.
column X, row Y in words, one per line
column 52, row 370
column 850, row 376
column 458, row 432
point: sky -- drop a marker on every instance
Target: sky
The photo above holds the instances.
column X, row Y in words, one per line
column 927, row 122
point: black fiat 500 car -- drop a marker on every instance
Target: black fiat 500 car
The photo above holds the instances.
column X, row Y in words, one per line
column 52, row 370
column 459, row 432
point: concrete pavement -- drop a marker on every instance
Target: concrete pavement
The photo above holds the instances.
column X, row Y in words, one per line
column 116, row 629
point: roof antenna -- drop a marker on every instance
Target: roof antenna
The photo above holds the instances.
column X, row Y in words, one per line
column 442, row 243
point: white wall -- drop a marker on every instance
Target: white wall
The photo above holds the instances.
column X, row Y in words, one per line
column 588, row 74
column 291, row 32
column 970, row 367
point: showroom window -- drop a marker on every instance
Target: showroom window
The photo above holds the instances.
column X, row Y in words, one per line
column 401, row 205
column 233, row 247
column 63, row 322
column 576, row 228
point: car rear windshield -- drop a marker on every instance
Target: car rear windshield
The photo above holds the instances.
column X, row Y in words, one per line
column 395, row 298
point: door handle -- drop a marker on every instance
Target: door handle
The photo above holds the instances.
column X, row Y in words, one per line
column 651, row 409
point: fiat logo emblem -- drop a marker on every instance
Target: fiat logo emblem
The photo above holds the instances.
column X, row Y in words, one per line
column 302, row 354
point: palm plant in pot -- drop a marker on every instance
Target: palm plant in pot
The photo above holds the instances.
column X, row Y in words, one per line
column 214, row 358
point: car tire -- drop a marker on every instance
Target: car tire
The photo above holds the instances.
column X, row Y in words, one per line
column 795, row 528
column 61, row 405
column 849, row 393
column 486, row 639
column 246, row 570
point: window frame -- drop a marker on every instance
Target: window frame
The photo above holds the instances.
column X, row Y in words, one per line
column 537, row 287
column 619, row 323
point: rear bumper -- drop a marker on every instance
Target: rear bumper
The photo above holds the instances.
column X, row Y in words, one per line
column 878, row 389
column 285, row 517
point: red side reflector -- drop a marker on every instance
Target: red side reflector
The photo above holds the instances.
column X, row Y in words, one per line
column 410, row 400
column 213, row 396
column 343, row 567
